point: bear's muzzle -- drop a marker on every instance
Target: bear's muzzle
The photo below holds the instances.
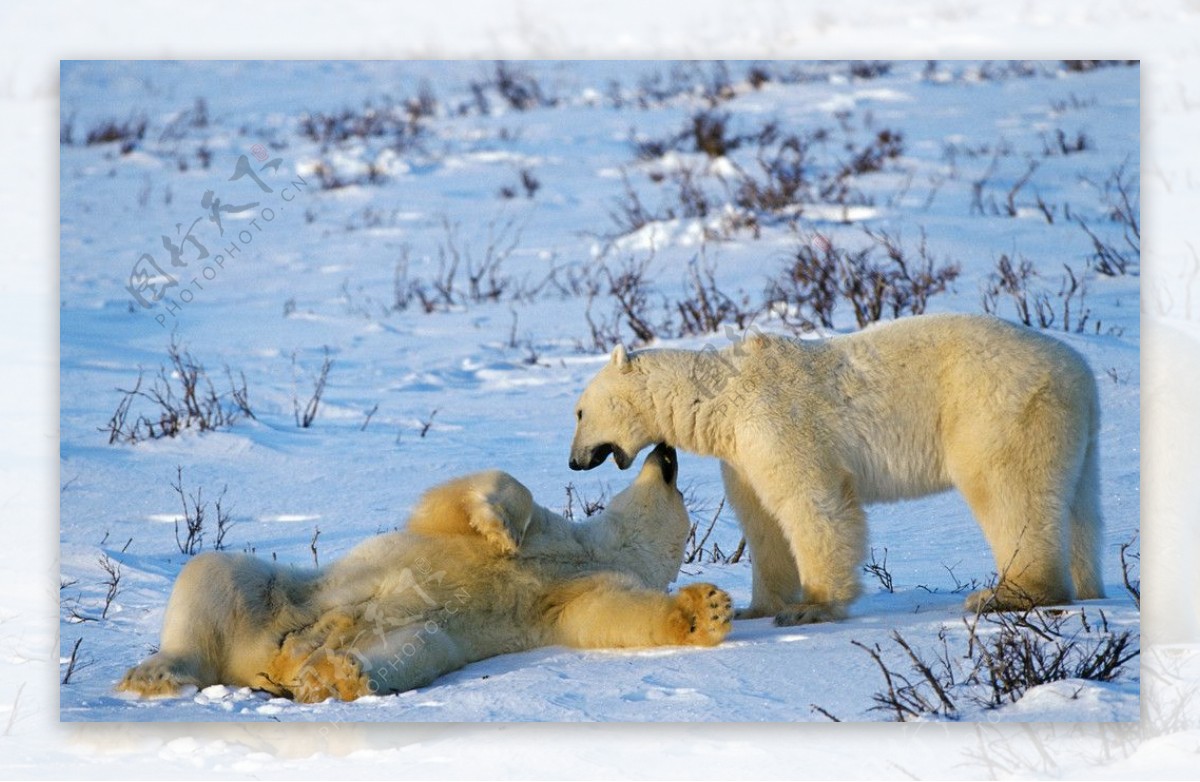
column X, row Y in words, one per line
column 590, row 458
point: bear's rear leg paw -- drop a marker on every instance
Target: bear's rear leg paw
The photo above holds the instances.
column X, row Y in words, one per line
column 810, row 613
column 1009, row 597
column 158, row 677
column 703, row 615
column 330, row 674
column 312, row 664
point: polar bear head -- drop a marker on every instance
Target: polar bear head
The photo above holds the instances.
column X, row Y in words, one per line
column 648, row 521
column 608, row 417
column 654, row 493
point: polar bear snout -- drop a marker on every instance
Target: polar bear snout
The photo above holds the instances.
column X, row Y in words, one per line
column 589, row 457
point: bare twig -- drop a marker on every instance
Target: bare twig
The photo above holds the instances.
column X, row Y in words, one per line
column 428, row 422
column 305, row 420
column 1132, row 585
column 878, row 568
column 370, row 413
column 224, row 521
column 891, row 700
column 696, row 549
column 193, row 517
column 823, row 712
column 924, row 670
column 72, row 663
column 113, row 582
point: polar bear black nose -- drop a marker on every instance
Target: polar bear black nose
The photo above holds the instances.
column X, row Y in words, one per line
column 664, row 455
column 588, row 459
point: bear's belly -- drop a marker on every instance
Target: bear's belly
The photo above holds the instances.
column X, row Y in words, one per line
column 899, row 472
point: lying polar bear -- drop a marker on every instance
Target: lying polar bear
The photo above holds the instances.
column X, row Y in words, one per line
column 480, row 570
column 809, row 430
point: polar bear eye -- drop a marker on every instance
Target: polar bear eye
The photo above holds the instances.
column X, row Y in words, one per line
column 578, row 415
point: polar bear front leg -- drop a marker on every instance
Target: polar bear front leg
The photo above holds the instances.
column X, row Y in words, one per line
column 775, row 580
column 826, row 530
column 610, row 610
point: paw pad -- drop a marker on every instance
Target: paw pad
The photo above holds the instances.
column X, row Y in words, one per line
column 709, row 611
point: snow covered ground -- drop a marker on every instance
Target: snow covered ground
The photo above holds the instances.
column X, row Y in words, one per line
column 353, row 226
column 34, row 744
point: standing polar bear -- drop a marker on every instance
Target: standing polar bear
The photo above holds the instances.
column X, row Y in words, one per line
column 809, row 430
column 480, row 570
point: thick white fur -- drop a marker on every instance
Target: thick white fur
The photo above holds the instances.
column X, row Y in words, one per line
column 810, row 430
column 481, row 570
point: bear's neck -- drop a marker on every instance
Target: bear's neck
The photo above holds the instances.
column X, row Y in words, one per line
column 624, row 541
column 686, row 390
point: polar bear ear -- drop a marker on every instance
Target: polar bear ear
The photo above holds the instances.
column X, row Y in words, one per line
column 620, row 358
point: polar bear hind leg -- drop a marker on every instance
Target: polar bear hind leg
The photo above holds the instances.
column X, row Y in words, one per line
column 1087, row 528
column 1021, row 485
column 224, row 620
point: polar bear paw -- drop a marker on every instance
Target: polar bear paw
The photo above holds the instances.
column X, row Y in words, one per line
column 318, row 662
column 810, row 613
column 158, row 677
column 1010, row 597
column 330, row 674
column 702, row 615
